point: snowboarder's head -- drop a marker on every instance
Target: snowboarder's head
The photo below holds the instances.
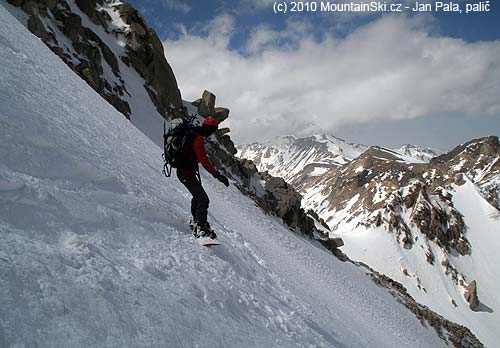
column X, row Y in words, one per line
column 209, row 126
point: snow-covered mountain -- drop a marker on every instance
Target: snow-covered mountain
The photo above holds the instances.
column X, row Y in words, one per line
column 417, row 153
column 95, row 251
column 297, row 160
column 428, row 221
column 290, row 157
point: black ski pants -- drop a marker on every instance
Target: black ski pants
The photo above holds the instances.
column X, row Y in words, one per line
column 200, row 201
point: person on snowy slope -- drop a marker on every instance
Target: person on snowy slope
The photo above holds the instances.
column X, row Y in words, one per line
column 189, row 176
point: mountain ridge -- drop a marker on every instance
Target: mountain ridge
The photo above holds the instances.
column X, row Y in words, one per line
column 383, row 200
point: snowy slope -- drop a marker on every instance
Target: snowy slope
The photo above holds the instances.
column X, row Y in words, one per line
column 94, row 251
column 432, row 285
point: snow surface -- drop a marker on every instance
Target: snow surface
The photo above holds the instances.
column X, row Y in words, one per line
column 95, row 251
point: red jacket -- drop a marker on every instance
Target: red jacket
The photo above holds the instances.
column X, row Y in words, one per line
column 198, row 155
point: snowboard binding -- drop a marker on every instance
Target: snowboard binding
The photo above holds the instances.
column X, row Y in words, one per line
column 202, row 230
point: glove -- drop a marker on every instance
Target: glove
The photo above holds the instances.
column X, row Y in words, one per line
column 221, row 178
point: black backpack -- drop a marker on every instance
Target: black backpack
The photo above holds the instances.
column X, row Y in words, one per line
column 178, row 143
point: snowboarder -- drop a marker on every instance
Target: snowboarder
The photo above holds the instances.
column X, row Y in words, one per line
column 189, row 176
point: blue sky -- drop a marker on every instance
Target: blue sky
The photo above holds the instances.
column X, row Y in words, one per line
column 165, row 15
column 431, row 79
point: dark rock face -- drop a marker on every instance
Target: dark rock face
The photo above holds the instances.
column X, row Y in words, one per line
column 223, row 131
column 220, row 114
column 144, row 49
column 333, row 243
column 146, row 55
column 36, row 26
column 16, row 3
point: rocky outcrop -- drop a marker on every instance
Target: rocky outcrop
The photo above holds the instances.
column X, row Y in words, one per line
column 145, row 53
column 223, row 131
column 333, row 244
column 478, row 161
column 471, row 295
column 220, row 114
column 206, row 105
column 88, row 53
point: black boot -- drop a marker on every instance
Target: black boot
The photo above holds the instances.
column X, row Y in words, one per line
column 203, row 230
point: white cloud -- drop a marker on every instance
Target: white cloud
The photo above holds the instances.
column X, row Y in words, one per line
column 389, row 69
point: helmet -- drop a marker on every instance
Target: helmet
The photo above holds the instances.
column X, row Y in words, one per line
column 210, row 121
column 209, row 126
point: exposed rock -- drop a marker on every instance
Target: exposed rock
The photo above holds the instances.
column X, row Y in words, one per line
column 89, row 8
column 130, row 15
column 282, row 194
column 145, row 50
column 322, row 222
column 47, row 4
column 104, row 19
column 30, row 7
column 73, row 27
column 220, row 114
column 338, row 241
column 36, row 26
column 222, row 131
column 430, row 256
column 121, row 105
column 332, row 244
column 146, row 55
column 92, row 53
column 138, row 29
column 16, row 3
column 459, row 179
column 196, row 102
column 471, row 295
column 386, row 191
column 207, row 104
column 108, row 55
column 90, row 76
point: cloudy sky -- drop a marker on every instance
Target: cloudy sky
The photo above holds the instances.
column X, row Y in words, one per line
column 430, row 78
